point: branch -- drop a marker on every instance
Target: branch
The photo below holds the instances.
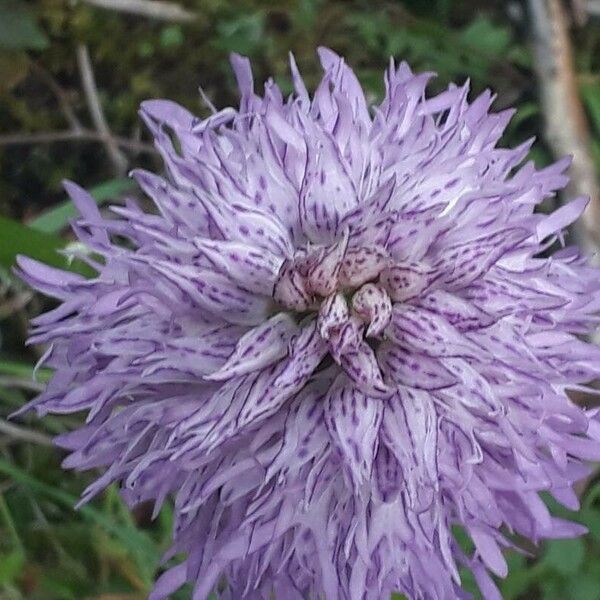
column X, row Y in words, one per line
column 24, row 384
column 23, row 434
column 60, row 95
column 18, row 302
column 118, row 159
column 83, row 135
column 566, row 126
column 153, row 9
column 579, row 12
column 592, row 8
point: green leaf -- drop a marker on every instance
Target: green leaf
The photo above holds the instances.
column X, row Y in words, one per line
column 590, row 92
column 525, row 111
column 244, row 34
column 468, row 583
column 587, row 587
column 55, row 585
column 9, row 522
column 138, row 544
column 24, row 371
column 552, row 589
column 565, row 556
column 590, row 517
column 486, row 37
column 592, row 495
column 11, row 566
column 18, row 27
column 519, row 579
column 20, row 239
column 171, row 36
column 56, row 219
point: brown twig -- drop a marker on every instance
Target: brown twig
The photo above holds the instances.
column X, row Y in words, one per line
column 566, row 127
column 14, row 304
column 579, row 12
column 60, row 95
column 23, row 434
column 592, row 7
column 153, row 9
column 90, row 90
column 7, row 381
column 84, row 135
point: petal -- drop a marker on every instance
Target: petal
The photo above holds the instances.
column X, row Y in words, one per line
column 388, row 475
column 333, row 315
column 372, row 304
column 307, row 350
column 344, row 79
column 49, row 280
column 248, row 400
column 404, row 281
column 258, row 348
column 170, row 581
column 409, row 429
column 412, row 369
column 252, row 268
column 488, row 550
column 305, row 436
column 290, row 288
column 214, row 292
column 170, row 113
column 486, row 584
column 361, row 367
column 463, row 263
column 458, row 312
column 345, row 338
column 233, row 221
column 361, row 265
column 322, row 277
column 88, row 209
column 299, row 87
column 430, row 334
column 327, row 193
column 243, row 74
column 353, row 420
column 561, row 218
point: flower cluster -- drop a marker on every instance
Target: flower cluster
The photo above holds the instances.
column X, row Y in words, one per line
column 338, row 337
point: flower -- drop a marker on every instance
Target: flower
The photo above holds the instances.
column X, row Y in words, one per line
column 340, row 336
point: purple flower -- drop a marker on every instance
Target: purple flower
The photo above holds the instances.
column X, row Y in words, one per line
column 339, row 336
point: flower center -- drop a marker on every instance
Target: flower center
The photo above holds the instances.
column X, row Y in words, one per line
column 351, row 289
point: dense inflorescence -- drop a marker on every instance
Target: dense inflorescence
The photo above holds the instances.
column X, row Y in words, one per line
column 339, row 337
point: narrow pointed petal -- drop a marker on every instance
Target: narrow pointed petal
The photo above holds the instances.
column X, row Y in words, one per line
column 430, row 334
column 258, row 348
column 353, row 421
column 255, row 270
column 290, row 289
column 414, row 370
column 361, row 367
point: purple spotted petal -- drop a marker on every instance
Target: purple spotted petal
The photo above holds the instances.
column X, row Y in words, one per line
column 259, row 348
column 353, row 421
column 373, row 304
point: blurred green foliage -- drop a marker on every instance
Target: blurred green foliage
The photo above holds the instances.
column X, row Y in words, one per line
column 48, row 551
